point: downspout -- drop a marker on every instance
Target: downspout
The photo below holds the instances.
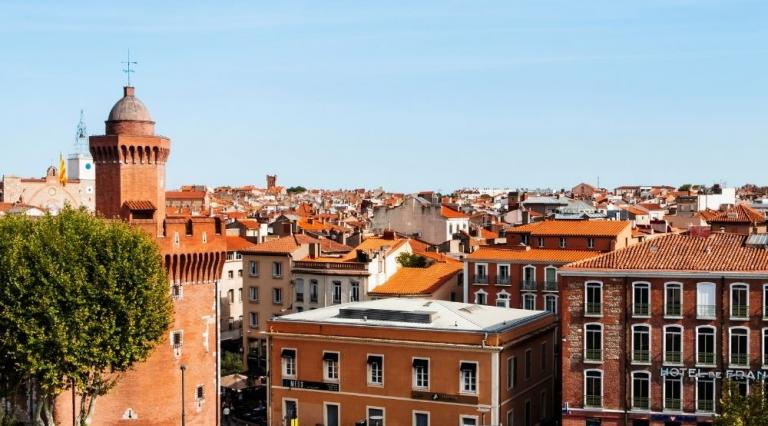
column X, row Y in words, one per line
column 722, row 329
column 269, row 377
column 627, row 349
column 218, row 351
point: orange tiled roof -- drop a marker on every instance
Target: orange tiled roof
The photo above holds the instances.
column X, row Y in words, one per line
column 249, row 223
column 740, row 213
column 636, row 211
column 719, row 252
column 590, row 228
column 450, row 213
column 315, row 225
column 376, row 243
column 236, row 243
column 139, row 205
column 184, row 195
column 543, row 255
column 488, row 235
column 418, row 281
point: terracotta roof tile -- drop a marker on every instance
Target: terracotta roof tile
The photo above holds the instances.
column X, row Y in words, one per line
column 592, row 228
column 740, row 213
column 418, row 281
column 139, row 205
column 531, row 254
column 184, row 195
column 450, row 213
column 720, row 252
column 236, row 243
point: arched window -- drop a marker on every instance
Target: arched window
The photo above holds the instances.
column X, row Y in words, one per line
column 739, row 301
column 502, row 299
column 593, row 388
column 641, row 343
column 705, row 345
column 739, row 346
column 673, row 300
column 673, row 344
column 550, row 302
column 641, row 390
column 593, row 342
column 641, row 299
column 593, row 299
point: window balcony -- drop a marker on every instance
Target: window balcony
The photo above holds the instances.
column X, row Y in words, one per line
column 705, row 405
column 672, row 404
column 481, row 279
column 593, row 401
column 739, row 311
column 673, row 357
column 673, row 309
column 502, row 280
column 550, row 286
column 312, row 298
column 705, row 311
column 641, row 403
column 641, row 356
column 641, row 309
column 299, row 297
column 593, row 355
column 594, row 309
column 705, row 358
column 528, row 285
column 739, row 359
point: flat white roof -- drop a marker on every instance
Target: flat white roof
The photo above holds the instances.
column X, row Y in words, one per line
column 437, row 314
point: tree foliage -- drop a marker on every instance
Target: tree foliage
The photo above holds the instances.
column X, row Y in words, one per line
column 296, row 190
column 81, row 300
column 737, row 410
column 411, row 260
column 231, row 363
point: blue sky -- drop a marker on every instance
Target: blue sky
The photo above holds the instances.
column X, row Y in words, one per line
column 408, row 95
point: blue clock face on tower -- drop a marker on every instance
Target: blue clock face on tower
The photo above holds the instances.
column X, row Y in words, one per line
column 87, row 166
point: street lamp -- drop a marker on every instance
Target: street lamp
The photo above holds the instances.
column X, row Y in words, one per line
column 183, row 368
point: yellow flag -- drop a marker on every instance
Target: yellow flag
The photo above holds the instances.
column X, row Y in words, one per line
column 62, row 171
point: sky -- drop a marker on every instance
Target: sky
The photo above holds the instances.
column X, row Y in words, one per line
column 408, row 95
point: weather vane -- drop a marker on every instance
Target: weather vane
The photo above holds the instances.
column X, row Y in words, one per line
column 127, row 70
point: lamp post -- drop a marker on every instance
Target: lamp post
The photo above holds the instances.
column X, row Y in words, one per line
column 183, row 368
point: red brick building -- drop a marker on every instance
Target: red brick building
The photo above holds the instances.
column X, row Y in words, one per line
column 130, row 185
column 651, row 331
column 412, row 362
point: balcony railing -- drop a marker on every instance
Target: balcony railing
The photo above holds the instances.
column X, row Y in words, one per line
column 550, row 285
column 528, row 285
column 313, row 298
column 593, row 401
column 705, row 311
column 481, row 279
column 346, row 266
column 739, row 359
column 641, row 402
column 501, row 280
column 299, row 297
column 641, row 309
column 707, row 358
column 674, row 309
column 594, row 308
column 705, row 405
column 593, row 354
column 641, row 356
column 673, row 356
column 739, row 311
column 672, row 403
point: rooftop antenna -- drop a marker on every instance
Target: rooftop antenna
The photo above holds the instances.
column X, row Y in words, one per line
column 127, row 70
column 81, row 137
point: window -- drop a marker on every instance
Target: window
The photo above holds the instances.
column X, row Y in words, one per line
column 253, row 268
column 200, row 393
column 230, row 274
column 298, row 289
column 525, row 238
column 739, row 349
column 375, row 370
column 641, row 343
column 543, row 356
column 673, row 344
column 468, row 421
column 177, row 339
column 337, row 292
column 502, row 299
column 502, row 274
column 673, row 299
column 765, row 346
column 354, row 291
column 231, row 296
column 705, row 301
column 529, row 278
column 290, row 410
column 543, row 405
column 529, row 301
column 331, row 366
column 705, row 345
column 288, row 358
column 593, row 342
column 277, row 296
column 641, row 390
column 375, row 416
column 481, row 273
column 550, row 302
column 739, row 301
column 468, row 377
column 765, row 301
column 510, row 418
column 481, row 297
column 550, row 278
column 331, row 414
column 528, row 362
column 705, row 394
column 562, row 242
column 594, row 299
column 313, row 291
column 590, row 243
column 253, row 294
column 277, row 269
column 641, row 299
column 420, row 419
column 593, row 388
column 240, row 273
column 673, row 393
column 240, row 295
column 541, row 241
column 511, row 372
column 527, row 413
column 421, row 373
column 177, row 291
column 253, row 319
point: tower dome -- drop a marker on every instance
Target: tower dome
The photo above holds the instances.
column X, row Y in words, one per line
column 129, row 116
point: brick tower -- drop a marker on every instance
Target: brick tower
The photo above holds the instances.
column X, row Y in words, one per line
column 130, row 184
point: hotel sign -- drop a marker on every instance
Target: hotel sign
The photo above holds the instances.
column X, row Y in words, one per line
column 304, row 384
column 694, row 373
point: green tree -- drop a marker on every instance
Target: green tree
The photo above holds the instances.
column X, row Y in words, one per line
column 685, row 187
column 296, row 190
column 81, row 300
column 411, row 260
column 231, row 363
column 737, row 410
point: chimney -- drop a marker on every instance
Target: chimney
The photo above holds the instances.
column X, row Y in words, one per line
column 314, row 250
column 388, row 235
column 526, row 217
